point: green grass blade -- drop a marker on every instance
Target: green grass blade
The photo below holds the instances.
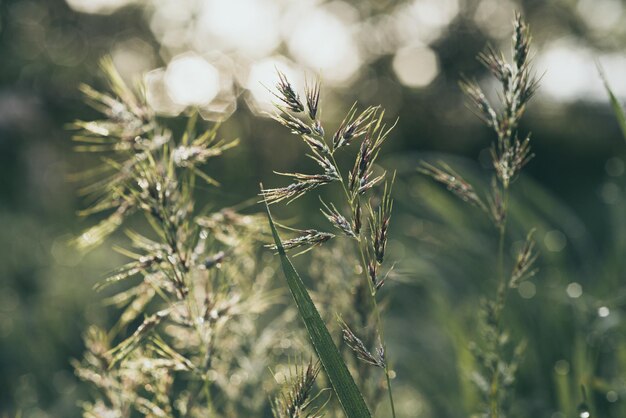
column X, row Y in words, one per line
column 343, row 385
column 617, row 107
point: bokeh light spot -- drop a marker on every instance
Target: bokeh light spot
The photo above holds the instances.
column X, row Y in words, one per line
column 603, row 311
column 612, row 396
column 249, row 26
column 191, row 80
column 527, row 290
column 555, row 240
column 415, row 66
column 574, row 290
column 322, row 41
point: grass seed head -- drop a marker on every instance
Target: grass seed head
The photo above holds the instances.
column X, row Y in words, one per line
column 312, row 93
column 453, row 181
column 287, row 95
column 295, row 400
column 362, row 353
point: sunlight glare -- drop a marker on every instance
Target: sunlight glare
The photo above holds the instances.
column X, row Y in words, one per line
column 156, row 94
column 323, row 42
column 98, row 6
column 248, row 26
column 191, row 80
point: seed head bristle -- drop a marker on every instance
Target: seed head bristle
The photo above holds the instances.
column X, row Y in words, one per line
column 518, row 84
column 521, row 41
column 312, row 93
column 287, row 95
column 361, row 178
column 494, row 61
column 310, row 237
column 372, row 271
column 362, row 353
column 356, row 217
column 379, row 223
column 291, row 122
column 295, row 401
column 326, row 164
column 354, row 126
column 337, row 219
column 316, row 145
column 524, row 262
column 453, row 181
column 294, row 190
column 509, row 160
column 477, row 98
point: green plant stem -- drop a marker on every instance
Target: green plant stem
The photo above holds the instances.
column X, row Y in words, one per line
column 379, row 324
column 372, row 292
column 500, row 302
column 502, row 286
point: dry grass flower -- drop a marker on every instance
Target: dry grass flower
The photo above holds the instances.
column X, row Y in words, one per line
column 509, row 155
column 194, row 333
column 370, row 237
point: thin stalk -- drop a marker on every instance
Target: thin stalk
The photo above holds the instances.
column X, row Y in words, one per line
column 500, row 302
column 379, row 325
column 372, row 292
column 502, row 286
column 390, row 392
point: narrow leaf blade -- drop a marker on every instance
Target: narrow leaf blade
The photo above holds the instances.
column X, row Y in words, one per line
column 343, row 385
column 618, row 110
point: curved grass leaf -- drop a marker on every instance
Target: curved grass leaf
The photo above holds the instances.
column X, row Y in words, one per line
column 343, row 385
column 617, row 107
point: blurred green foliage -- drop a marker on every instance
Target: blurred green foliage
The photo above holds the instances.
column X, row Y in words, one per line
column 573, row 192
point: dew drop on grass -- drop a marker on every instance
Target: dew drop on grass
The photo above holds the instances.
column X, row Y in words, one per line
column 583, row 411
column 603, row 311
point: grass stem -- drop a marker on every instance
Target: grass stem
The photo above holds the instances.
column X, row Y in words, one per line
column 372, row 291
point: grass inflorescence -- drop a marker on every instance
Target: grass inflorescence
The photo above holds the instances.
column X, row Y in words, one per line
column 509, row 154
column 195, row 329
column 356, row 218
column 194, row 332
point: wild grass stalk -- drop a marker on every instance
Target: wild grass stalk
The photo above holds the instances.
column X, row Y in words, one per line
column 194, row 333
column 509, row 154
column 362, row 222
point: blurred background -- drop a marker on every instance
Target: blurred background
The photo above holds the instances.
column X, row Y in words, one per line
column 219, row 56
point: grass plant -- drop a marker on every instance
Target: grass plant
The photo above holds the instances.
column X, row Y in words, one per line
column 358, row 220
column 195, row 332
column 509, row 154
